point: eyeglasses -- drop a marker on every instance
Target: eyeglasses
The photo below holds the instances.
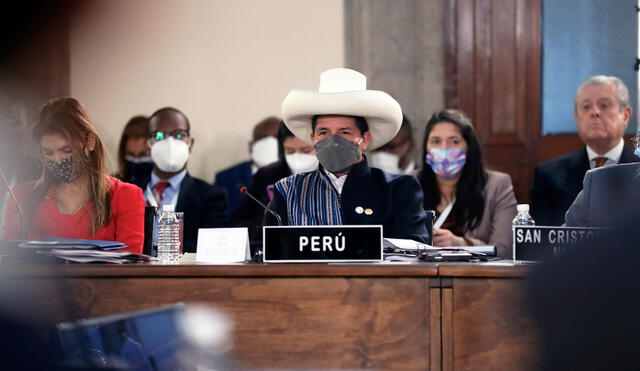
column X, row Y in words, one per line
column 158, row 135
column 636, row 141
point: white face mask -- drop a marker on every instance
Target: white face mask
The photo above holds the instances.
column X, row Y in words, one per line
column 170, row 155
column 301, row 162
column 264, row 151
column 386, row 161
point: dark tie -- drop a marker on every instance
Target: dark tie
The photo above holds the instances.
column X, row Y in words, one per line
column 160, row 187
column 599, row 161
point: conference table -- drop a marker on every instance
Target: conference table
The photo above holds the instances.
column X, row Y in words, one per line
column 409, row 316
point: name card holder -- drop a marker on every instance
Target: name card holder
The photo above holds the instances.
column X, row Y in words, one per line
column 223, row 245
column 322, row 244
column 534, row 243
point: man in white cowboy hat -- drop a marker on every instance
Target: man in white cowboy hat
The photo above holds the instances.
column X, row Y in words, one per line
column 341, row 120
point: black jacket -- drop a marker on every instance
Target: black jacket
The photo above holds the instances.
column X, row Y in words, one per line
column 204, row 206
column 249, row 213
column 396, row 202
column 557, row 182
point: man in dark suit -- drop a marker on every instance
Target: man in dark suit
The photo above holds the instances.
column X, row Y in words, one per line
column 586, row 305
column 601, row 112
column 203, row 205
column 609, row 197
column 264, row 151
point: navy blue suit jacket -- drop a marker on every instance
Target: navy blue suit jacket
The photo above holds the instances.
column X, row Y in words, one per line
column 610, row 197
column 231, row 179
column 557, row 182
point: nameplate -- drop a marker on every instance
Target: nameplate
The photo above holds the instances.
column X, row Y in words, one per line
column 318, row 244
column 222, row 245
column 538, row 242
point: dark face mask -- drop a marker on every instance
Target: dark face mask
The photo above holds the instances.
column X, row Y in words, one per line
column 65, row 170
column 337, row 154
column 138, row 167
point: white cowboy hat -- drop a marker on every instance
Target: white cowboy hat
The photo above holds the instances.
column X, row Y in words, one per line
column 343, row 92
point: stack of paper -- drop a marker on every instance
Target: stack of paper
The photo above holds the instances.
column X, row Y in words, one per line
column 396, row 249
column 96, row 256
column 71, row 243
column 84, row 251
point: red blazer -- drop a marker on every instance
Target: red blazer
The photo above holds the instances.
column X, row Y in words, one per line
column 125, row 225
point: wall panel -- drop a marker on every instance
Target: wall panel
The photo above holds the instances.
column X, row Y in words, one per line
column 492, row 51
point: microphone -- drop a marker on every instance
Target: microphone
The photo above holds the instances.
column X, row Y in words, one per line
column 15, row 201
column 243, row 189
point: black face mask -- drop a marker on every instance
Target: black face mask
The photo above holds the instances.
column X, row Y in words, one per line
column 336, row 153
column 138, row 167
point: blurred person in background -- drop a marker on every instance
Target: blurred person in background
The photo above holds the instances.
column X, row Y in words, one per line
column 134, row 160
column 396, row 157
column 608, row 196
column 16, row 163
column 263, row 149
column 473, row 206
column 601, row 111
column 74, row 197
column 585, row 300
column 295, row 157
column 170, row 142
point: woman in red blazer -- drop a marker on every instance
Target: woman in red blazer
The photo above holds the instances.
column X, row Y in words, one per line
column 74, row 197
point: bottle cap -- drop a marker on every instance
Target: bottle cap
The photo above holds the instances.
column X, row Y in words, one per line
column 168, row 208
column 523, row 208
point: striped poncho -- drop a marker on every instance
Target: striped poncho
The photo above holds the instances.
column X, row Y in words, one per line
column 311, row 199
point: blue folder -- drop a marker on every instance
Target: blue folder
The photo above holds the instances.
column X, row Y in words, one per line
column 56, row 242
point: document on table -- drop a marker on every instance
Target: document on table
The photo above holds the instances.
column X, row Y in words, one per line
column 91, row 256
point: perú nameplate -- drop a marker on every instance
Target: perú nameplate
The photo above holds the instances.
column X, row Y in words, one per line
column 538, row 242
column 322, row 244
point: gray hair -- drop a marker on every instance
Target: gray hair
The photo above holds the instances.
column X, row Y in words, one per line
column 622, row 92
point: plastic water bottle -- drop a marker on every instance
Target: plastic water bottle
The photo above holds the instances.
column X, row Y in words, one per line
column 169, row 235
column 523, row 217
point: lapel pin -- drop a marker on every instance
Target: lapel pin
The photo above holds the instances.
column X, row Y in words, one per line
column 368, row 211
column 359, row 210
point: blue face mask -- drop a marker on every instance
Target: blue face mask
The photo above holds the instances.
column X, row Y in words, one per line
column 138, row 167
column 637, row 152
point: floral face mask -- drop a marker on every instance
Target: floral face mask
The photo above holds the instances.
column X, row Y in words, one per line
column 446, row 162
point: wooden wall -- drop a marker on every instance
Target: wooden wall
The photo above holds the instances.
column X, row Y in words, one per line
column 493, row 74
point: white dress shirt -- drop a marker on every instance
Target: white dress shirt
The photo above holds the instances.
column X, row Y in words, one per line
column 613, row 156
column 338, row 183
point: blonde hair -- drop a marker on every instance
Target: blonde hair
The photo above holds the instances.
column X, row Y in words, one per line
column 67, row 116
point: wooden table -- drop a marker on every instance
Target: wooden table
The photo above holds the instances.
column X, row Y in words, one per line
column 486, row 324
column 381, row 316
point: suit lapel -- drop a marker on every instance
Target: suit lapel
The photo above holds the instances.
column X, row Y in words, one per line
column 577, row 167
column 628, row 156
column 182, row 194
